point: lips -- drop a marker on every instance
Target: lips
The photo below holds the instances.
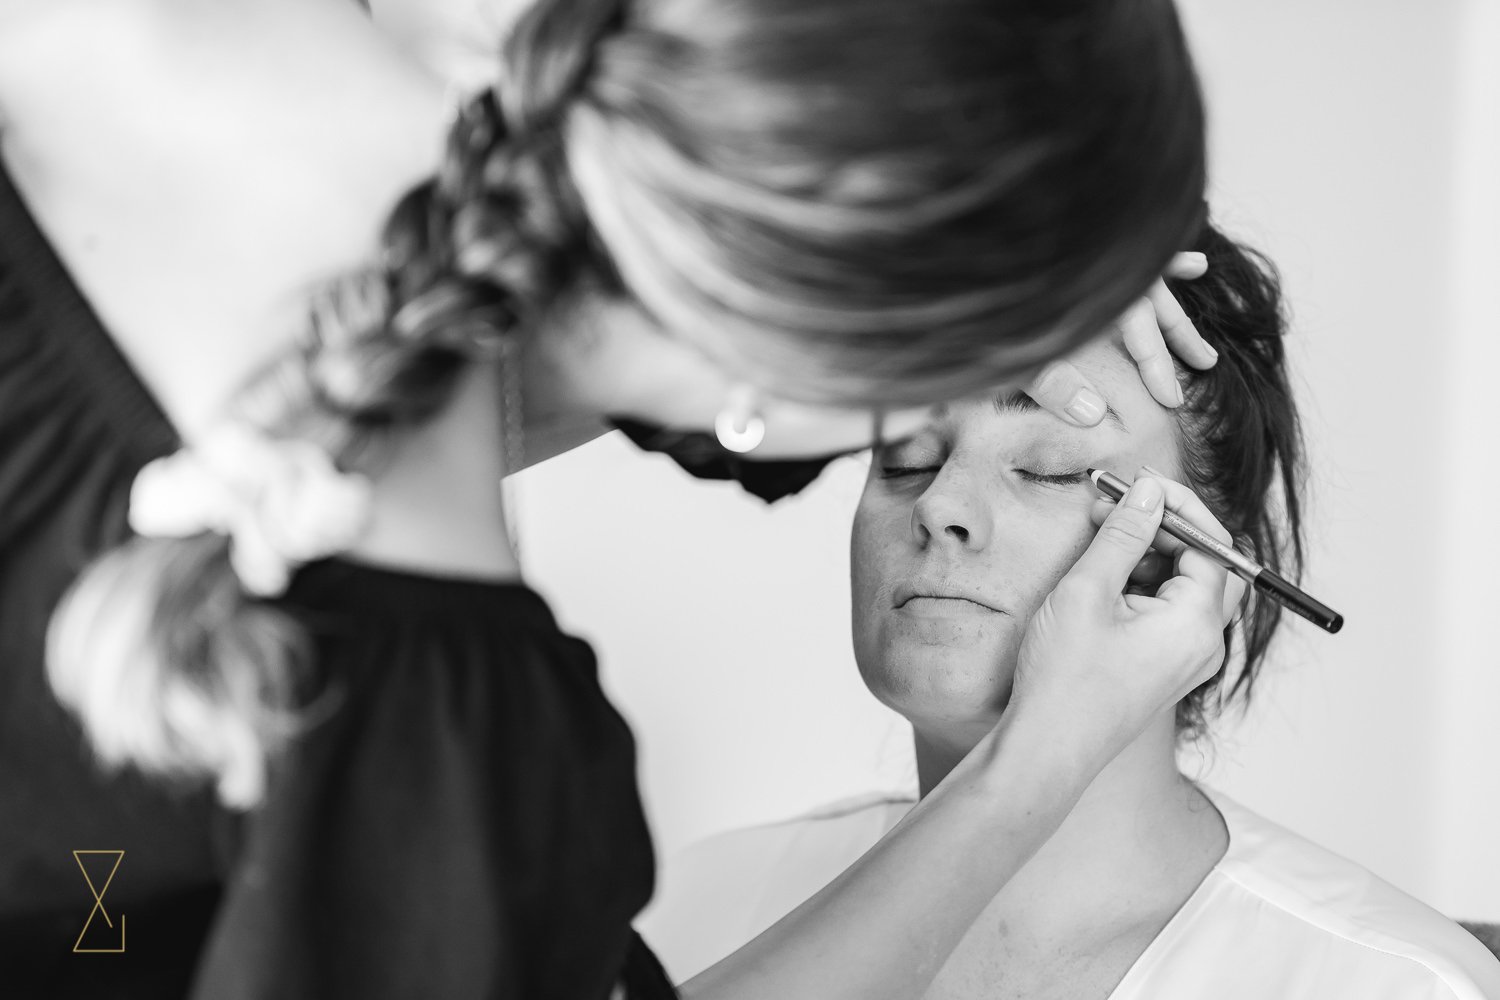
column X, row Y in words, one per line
column 938, row 590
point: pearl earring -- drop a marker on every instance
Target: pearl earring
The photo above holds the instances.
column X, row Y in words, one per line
column 738, row 427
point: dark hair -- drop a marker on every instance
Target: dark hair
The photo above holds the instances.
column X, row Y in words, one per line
column 847, row 200
column 1241, row 442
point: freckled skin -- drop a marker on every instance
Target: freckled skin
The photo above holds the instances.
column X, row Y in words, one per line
column 969, row 519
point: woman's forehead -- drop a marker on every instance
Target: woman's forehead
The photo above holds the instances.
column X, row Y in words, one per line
column 1106, row 364
column 1132, row 416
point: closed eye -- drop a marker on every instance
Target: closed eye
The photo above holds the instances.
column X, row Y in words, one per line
column 905, row 471
column 1054, row 479
column 908, row 460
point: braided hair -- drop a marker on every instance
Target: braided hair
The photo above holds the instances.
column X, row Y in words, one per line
column 172, row 666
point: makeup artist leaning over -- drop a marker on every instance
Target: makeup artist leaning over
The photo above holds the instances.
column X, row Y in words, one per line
column 798, row 221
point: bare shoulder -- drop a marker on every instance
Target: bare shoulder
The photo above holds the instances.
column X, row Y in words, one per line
column 200, row 165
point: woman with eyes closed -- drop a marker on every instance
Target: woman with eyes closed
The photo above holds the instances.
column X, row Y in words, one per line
column 1153, row 887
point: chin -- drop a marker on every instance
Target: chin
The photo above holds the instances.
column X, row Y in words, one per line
column 981, row 636
column 947, row 683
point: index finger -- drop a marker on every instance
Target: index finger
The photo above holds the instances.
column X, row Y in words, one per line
column 1178, row 331
column 1207, row 571
column 1141, row 333
column 1186, row 504
column 1124, row 537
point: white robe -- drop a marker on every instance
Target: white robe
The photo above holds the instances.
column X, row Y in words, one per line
column 1278, row 918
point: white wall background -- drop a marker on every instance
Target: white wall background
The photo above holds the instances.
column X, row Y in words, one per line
column 1358, row 142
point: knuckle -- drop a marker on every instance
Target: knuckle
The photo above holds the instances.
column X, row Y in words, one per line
column 1052, row 380
column 1149, row 339
column 1070, row 589
column 1143, row 336
column 1209, row 633
column 1125, row 530
column 1074, row 591
column 1141, row 310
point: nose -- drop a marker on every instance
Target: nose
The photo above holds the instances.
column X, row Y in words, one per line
column 949, row 512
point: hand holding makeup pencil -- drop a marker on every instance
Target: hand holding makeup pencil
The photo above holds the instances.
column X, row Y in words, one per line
column 1181, row 533
column 1159, row 564
column 1099, row 662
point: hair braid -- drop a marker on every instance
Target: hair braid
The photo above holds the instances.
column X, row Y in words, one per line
column 468, row 256
column 212, row 681
column 548, row 57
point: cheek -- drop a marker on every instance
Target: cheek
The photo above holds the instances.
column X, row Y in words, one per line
column 877, row 536
column 1043, row 552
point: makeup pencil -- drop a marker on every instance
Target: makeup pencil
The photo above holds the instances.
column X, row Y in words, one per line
column 1273, row 586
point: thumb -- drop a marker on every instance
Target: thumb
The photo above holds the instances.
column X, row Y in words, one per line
column 1061, row 390
column 1123, row 538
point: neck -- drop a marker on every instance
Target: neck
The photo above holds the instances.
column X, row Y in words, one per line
column 1138, row 842
column 596, row 356
column 438, row 501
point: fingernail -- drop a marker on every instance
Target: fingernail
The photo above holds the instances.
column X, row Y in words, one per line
column 1145, row 494
column 1180, row 396
column 1151, row 470
column 1197, row 257
column 1086, row 407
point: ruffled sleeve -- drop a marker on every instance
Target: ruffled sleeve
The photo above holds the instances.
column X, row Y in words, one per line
column 461, row 821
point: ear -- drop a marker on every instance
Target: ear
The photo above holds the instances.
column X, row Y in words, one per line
column 602, row 355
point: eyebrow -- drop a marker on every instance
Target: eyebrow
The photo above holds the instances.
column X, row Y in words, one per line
column 1019, row 402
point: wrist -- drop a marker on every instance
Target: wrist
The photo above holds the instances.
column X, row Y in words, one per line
column 1053, row 753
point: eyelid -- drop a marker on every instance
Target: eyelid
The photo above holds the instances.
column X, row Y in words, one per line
column 896, row 452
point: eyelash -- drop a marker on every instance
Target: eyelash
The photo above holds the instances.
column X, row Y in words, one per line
column 903, row 471
column 1060, row 479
